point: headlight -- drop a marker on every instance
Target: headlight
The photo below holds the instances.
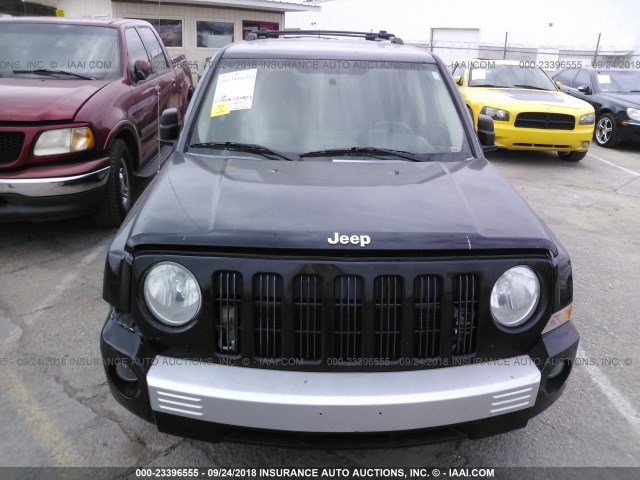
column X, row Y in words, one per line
column 515, row 296
column 587, row 119
column 496, row 113
column 172, row 293
column 64, row 140
column 634, row 113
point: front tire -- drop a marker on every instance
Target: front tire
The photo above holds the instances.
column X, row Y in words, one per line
column 118, row 196
column 606, row 133
column 572, row 156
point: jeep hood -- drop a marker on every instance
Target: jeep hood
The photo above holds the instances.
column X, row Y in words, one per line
column 232, row 202
column 42, row 100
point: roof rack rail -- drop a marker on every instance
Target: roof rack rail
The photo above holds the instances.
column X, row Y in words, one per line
column 381, row 35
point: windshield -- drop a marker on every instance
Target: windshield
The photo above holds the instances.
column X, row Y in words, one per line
column 298, row 107
column 510, row 76
column 58, row 51
column 619, row 81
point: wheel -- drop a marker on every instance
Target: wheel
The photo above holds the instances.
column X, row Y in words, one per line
column 572, row 156
column 606, row 131
column 118, row 196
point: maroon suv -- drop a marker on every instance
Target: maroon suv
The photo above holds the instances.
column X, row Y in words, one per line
column 79, row 103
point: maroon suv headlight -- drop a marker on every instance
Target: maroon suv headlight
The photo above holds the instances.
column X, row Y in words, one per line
column 64, row 140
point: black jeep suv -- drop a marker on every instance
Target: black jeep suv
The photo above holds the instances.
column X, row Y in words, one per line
column 328, row 252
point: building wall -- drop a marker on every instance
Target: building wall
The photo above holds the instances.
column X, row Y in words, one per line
column 196, row 56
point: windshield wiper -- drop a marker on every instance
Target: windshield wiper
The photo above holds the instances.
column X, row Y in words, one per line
column 242, row 147
column 489, row 85
column 531, row 87
column 370, row 151
column 44, row 71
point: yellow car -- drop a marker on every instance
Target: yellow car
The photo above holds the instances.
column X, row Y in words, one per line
column 528, row 110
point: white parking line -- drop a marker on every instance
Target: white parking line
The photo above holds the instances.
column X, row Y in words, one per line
column 615, row 397
column 615, row 165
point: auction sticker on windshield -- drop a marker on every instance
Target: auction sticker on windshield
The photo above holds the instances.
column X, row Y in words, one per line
column 234, row 91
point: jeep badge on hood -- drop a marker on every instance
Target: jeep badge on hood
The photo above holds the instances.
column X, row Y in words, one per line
column 363, row 240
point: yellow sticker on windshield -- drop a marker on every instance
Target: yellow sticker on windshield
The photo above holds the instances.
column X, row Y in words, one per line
column 218, row 109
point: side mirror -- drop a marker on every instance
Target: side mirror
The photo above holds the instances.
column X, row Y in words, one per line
column 458, row 80
column 584, row 89
column 558, row 84
column 169, row 125
column 141, row 69
column 486, row 133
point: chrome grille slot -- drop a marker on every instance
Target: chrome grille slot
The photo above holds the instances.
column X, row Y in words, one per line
column 267, row 315
column 347, row 327
column 10, row 146
column 387, row 316
column 547, row 121
column 228, row 296
column 307, row 311
column 465, row 314
column 426, row 316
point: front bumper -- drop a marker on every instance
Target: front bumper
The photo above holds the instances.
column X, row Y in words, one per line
column 51, row 198
column 512, row 138
column 212, row 401
column 341, row 402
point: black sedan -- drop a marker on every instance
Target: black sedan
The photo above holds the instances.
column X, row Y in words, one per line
column 615, row 96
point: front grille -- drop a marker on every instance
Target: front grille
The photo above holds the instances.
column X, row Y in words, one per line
column 539, row 145
column 546, row 121
column 10, row 146
column 317, row 313
column 345, row 318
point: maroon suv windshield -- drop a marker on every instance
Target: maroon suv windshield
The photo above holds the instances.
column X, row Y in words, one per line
column 58, row 51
